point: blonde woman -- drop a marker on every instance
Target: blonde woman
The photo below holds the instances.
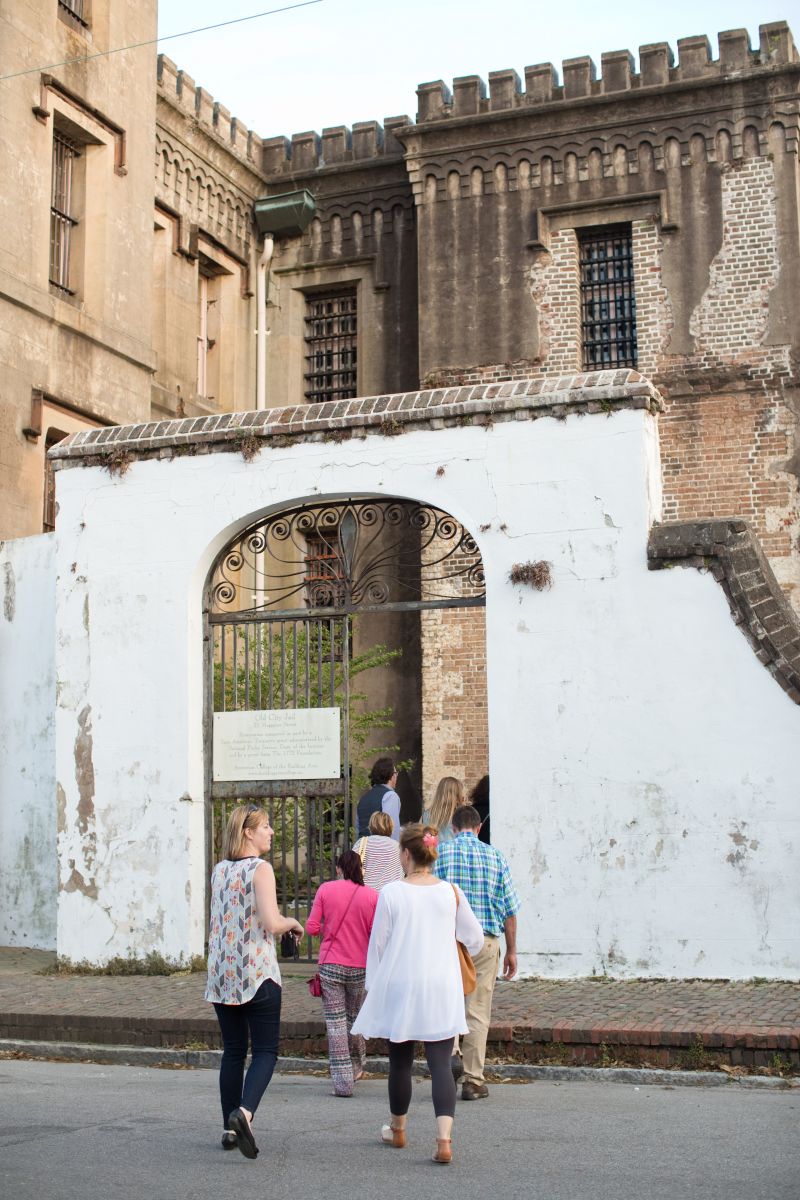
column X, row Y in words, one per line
column 449, row 796
column 413, row 981
column 244, row 980
column 379, row 852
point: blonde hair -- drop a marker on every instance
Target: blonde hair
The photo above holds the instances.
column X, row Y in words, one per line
column 381, row 823
column 448, row 797
column 243, row 818
column 411, row 839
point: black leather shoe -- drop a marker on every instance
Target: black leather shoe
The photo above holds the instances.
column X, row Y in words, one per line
column 457, row 1066
column 230, row 1140
column 245, row 1141
column 474, row 1091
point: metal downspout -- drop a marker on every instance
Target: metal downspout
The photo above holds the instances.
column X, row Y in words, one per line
column 265, row 258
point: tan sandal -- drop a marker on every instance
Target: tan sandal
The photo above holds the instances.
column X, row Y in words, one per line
column 444, row 1151
column 392, row 1136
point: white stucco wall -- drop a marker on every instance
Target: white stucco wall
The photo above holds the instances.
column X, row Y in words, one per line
column 27, row 743
column 643, row 763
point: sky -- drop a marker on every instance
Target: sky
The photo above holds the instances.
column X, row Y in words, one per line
column 340, row 61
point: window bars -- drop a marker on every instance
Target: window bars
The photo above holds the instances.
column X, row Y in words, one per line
column 62, row 221
column 331, row 349
column 76, row 8
column 608, row 303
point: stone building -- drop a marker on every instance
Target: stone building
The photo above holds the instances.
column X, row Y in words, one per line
column 643, row 221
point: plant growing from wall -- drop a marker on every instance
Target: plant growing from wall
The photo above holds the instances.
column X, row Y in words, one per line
column 537, row 575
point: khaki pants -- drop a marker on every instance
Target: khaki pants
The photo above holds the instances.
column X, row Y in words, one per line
column 479, row 1010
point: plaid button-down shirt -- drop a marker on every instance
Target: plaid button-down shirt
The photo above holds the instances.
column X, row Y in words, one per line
column 483, row 875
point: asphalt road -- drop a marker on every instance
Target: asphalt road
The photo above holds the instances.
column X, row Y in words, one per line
column 70, row 1131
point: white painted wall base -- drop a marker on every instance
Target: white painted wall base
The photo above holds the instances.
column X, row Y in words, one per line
column 27, row 743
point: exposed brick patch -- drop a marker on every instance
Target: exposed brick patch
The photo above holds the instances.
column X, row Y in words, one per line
column 600, row 391
column 455, row 715
column 653, row 311
column 728, row 548
column 732, row 317
column 555, row 287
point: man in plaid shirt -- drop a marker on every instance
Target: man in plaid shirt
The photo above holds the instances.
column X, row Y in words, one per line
column 482, row 873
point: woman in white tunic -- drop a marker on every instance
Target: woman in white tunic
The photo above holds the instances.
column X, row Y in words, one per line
column 413, row 982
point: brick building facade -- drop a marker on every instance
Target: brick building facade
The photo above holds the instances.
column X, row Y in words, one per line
column 644, row 219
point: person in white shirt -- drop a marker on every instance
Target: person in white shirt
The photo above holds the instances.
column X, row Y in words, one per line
column 414, row 987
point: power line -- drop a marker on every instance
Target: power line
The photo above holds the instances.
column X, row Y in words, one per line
column 152, row 41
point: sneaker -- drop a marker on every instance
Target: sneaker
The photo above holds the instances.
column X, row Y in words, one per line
column 457, row 1066
column 474, row 1091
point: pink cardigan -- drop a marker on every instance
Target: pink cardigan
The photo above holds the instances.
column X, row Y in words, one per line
column 350, row 933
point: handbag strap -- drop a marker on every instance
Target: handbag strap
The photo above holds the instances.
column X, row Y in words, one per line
column 341, row 922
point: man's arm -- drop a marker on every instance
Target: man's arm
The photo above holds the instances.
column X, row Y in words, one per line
column 391, row 804
column 510, row 960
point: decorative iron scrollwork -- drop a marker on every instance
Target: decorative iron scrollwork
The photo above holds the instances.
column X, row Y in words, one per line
column 346, row 555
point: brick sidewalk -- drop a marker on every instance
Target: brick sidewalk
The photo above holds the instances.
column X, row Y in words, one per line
column 585, row 1021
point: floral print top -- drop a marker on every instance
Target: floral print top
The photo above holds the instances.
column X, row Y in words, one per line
column 241, row 954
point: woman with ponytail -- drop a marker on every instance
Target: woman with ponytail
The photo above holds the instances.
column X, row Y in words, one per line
column 343, row 910
column 415, row 990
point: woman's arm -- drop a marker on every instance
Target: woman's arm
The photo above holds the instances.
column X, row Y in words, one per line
column 269, row 914
column 378, row 938
column 468, row 928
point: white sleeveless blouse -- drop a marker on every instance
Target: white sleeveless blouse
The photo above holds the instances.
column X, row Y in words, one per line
column 241, row 954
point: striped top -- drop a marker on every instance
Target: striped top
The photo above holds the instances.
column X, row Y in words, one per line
column 241, row 954
column 381, row 862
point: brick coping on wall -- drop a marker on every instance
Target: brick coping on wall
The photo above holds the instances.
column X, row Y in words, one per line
column 249, row 432
column 728, row 548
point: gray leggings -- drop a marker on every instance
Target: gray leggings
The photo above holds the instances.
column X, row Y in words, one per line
column 401, row 1060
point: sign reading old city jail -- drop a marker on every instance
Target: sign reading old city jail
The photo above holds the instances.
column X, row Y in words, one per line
column 288, row 743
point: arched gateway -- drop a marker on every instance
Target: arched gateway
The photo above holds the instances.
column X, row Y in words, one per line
column 290, row 607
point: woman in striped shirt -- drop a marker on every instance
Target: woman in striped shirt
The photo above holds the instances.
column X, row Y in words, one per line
column 380, row 853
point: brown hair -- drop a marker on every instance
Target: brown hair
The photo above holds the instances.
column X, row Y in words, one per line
column 466, row 817
column 349, row 863
column 449, row 796
column 243, row 818
column 382, row 771
column 411, row 839
column 381, row 823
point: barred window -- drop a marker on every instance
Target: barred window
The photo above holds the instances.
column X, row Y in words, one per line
column 62, row 220
column 608, row 303
column 331, row 346
column 76, row 9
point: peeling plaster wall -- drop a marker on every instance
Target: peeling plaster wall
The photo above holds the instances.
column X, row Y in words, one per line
column 643, row 763
column 27, row 743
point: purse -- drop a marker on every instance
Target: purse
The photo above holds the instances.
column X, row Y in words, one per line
column 315, row 982
column 289, row 946
column 469, row 976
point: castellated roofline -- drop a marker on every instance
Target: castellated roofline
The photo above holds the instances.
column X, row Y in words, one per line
column 469, row 96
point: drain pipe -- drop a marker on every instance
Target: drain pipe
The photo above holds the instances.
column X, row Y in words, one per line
column 262, row 275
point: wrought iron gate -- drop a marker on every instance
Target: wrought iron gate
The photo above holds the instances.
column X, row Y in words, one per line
column 279, row 611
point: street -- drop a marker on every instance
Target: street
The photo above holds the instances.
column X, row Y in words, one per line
column 70, row 1131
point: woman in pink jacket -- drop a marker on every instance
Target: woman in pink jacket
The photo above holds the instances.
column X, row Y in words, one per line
column 343, row 910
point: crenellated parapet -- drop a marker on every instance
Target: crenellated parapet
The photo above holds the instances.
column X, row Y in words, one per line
column 214, row 118
column 337, row 147
column 469, row 95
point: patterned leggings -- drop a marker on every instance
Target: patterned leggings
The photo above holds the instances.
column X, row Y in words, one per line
column 342, row 995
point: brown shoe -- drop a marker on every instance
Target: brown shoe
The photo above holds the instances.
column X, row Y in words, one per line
column 474, row 1091
column 444, row 1151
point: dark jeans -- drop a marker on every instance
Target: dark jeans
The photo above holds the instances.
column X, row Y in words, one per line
column 259, row 1018
column 401, row 1060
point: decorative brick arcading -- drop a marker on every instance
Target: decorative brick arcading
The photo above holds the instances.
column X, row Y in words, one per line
column 336, row 421
column 728, row 548
column 732, row 317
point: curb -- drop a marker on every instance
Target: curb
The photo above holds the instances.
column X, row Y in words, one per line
column 139, row 1056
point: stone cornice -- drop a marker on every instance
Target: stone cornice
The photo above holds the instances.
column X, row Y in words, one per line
column 336, row 421
column 728, row 548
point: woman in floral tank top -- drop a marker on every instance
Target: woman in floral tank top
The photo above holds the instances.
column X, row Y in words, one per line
column 244, row 980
